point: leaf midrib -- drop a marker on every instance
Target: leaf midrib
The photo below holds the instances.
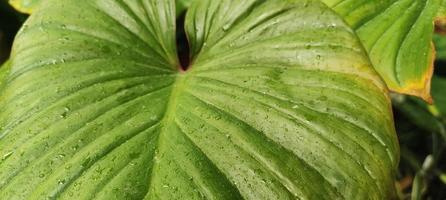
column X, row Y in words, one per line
column 169, row 116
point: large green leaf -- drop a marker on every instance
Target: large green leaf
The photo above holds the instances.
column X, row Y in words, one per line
column 28, row 6
column 4, row 70
column 280, row 102
column 398, row 37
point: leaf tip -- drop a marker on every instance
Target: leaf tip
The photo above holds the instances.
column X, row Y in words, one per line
column 423, row 93
column 421, row 87
column 426, row 92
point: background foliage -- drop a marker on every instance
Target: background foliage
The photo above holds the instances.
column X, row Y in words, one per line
column 421, row 127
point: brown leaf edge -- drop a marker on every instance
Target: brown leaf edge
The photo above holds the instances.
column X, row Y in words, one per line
column 425, row 91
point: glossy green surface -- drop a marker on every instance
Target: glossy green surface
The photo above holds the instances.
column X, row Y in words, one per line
column 398, row 37
column 28, row 6
column 280, row 102
column 4, row 70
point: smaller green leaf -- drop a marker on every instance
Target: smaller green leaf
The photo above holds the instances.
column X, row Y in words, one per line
column 24, row 6
column 397, row 35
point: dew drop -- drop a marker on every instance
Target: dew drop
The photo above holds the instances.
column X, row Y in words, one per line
column 217, row 117
column 65, row 112
column 226, row 27
column 7, row 155
column 61, row 182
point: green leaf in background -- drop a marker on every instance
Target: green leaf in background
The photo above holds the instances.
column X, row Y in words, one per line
column 398, row 37
column 429, row 117
column 440, row 46
column 25, row 6
column 418, row 113
column 280, row 102
column 419, row 184
column 439, row 94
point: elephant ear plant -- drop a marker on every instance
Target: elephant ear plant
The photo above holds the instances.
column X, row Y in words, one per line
column 278, row 100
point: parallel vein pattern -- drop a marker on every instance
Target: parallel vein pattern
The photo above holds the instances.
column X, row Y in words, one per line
column 280, row 102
